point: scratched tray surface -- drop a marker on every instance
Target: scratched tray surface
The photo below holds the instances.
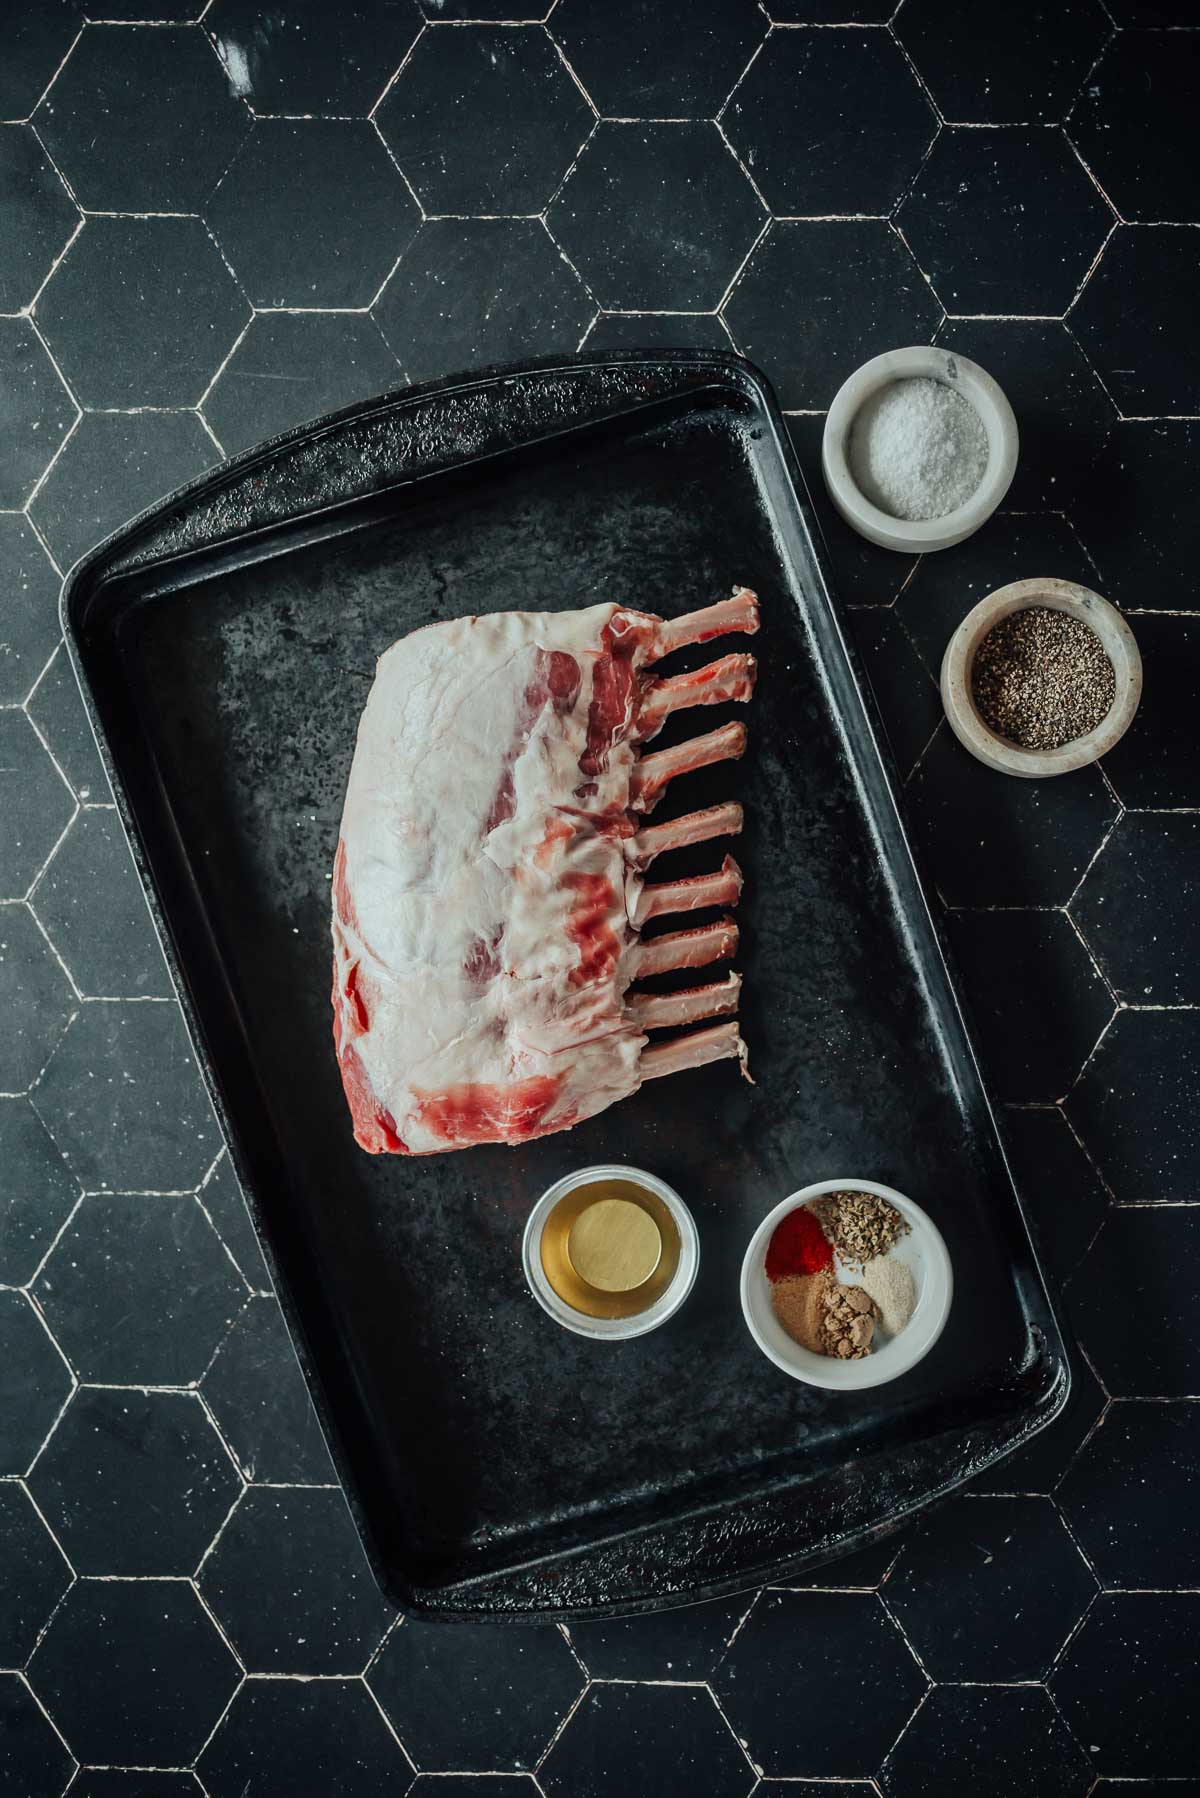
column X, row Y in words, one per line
column 494, row 1461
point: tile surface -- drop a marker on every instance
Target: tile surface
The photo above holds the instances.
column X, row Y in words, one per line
column 142, row 121
column 485, row 121
column 499, row 289
column 313, row 212
column 985, row 249
column 623, row 217
column 382, row 191
column 830, row 123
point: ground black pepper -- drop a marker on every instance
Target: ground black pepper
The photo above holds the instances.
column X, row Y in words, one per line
column 1041, row 678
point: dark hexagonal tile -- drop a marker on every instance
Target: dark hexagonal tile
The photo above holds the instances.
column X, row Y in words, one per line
column 57, row 709
column 830, row 122
column 1154, row 764
column 34, row 1382
column 141, row 311
column 36, row 1192
column 221, row 1197
column 1037, row 1003
column 1134, row 319
column 122, row 1099
column 37, row 806
column 830, row 12
column 142, row 121
column 29, row 594
column 34, row 998
column 497, row 289
column 657, row 216
column 134, row 1482
column 1041, row 1463
column 1131, row 1703
column 286, row 1736
column 864, row 574
column 257, row 1394
column 1134, row 1298
column 906, row 696
column 38, row 411
column 1134, row 121
column 484, row 120
column 680, row 1644
column 114, row 465
column 158, row 1673
column 1132, row 1496
column 290, row 367
column 624, row 1737
column 987, row 839
column 114, row 953
column 669, row 61
column 477, row 1698
column 1020, row 65
column 835, row 1713
column 139, row 1290
column 1004, row 220
column 820, row 297
column 35, row 1761
column 1142, row 1071
column 33, row 1575
column 112, row 950
column 659, row 331
column 1138, row 904
column 1134, row 513
column 36, row 216
column 468, row 1785
column 37, row 35
column 989, row 1589
column 1063, row 1195
column 290, row 1583
column 101, row 1782
column 991, row 1740
column 945, row 586
column 1064, row 414
column 313, row 58
column 313, row 213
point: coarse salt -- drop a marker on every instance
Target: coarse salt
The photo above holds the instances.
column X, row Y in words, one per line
column 918, row 449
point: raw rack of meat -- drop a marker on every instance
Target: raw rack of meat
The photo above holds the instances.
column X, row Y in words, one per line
column 489, row 891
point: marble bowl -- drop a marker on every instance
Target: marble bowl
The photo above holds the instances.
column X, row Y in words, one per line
column 958, row 662
column 919, row 537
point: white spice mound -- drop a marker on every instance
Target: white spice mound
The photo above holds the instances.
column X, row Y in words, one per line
column 890, row 1283
column 918, row 449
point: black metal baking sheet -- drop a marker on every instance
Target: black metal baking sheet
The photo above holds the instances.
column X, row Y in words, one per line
column 495, row 1463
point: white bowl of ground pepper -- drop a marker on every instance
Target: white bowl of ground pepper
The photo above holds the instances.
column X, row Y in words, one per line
column 920, row 447
column 1040, row 678
column 860, row 1310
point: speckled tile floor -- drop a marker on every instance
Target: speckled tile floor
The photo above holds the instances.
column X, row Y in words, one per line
column 220, row 222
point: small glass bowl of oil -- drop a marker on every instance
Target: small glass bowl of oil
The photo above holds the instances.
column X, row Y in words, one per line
column 610, row 1252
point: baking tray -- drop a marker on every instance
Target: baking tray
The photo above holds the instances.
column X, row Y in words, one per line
column 495, row 1464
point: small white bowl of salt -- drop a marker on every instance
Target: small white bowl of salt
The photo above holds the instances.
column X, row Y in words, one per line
column 920, row 447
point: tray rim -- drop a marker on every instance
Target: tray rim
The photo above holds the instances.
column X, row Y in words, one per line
column 110, row 560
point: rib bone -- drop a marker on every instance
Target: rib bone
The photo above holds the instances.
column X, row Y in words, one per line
column 695, row 894
column 654, row 772
column 693, row 1051
column 660, row 1011
column 686, row 949
column 681, row 833
column 737, row 614
column 726, row 678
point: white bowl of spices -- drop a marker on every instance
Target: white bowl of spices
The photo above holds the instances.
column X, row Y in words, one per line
column 1040, row 678
column 610, row 1252
column 919, row 448
column 846, row 1284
